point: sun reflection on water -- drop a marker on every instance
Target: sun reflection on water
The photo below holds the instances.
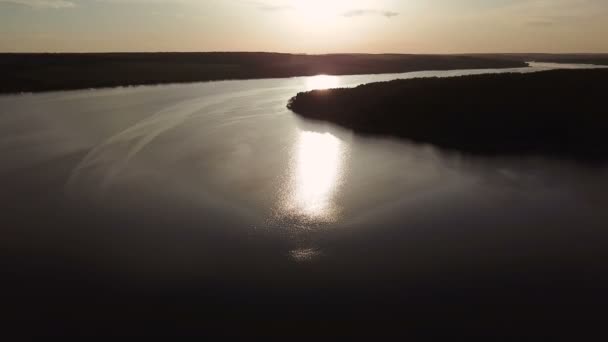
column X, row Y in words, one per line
column 321, row 82
column 314, row 178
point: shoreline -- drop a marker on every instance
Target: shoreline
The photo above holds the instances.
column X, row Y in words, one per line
column 37, row 73
column 169, row 84
column 556, row 113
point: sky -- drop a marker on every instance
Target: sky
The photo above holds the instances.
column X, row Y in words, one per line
column 304, row 26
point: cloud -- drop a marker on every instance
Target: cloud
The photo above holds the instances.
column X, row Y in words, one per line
column 272, row 8
column 40, row 4
column 369, row 12
column 268, row 7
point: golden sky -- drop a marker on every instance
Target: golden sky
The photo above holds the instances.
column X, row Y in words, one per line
column 306, row 26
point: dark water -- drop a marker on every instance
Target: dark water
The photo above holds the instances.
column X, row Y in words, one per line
column 192, row 208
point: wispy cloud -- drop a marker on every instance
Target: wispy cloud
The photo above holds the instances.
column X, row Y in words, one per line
column 40, row 4
column 277, row 6
column 269, row 7
column 369, row 12
column 274, row 8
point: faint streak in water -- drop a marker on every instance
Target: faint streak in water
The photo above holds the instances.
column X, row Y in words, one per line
column 140, row 135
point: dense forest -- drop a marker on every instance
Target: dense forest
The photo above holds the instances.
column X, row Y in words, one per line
column 559, row 112
column 44, row 72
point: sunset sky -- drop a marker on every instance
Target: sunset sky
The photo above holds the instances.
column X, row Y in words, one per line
column 306, row 26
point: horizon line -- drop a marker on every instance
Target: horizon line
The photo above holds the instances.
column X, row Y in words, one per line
column 302, row 53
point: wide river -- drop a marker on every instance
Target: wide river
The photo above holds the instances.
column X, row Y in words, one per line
column 217, row 190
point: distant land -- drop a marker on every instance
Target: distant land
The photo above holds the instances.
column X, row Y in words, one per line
column 575, row 58
column 46, row 72
column 560, row 113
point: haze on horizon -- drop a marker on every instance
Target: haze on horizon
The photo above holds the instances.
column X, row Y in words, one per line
column 304, row 26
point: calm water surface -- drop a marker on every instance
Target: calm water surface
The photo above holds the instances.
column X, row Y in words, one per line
column 217, row 185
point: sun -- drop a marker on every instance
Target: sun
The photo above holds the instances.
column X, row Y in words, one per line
column 320, row 8
column 321, row 23
column 318, row 12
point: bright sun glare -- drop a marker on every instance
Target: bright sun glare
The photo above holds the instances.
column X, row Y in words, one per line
column 320, row 12
column 319, row 22
column 317, row 172
column 321, row 82
column 315, row 176
column 319, row 6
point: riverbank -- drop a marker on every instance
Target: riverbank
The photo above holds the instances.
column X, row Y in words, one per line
column 559, row 112
column 572, row 58
column 48, row 72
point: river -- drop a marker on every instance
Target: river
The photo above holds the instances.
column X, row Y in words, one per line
column 191, row 188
